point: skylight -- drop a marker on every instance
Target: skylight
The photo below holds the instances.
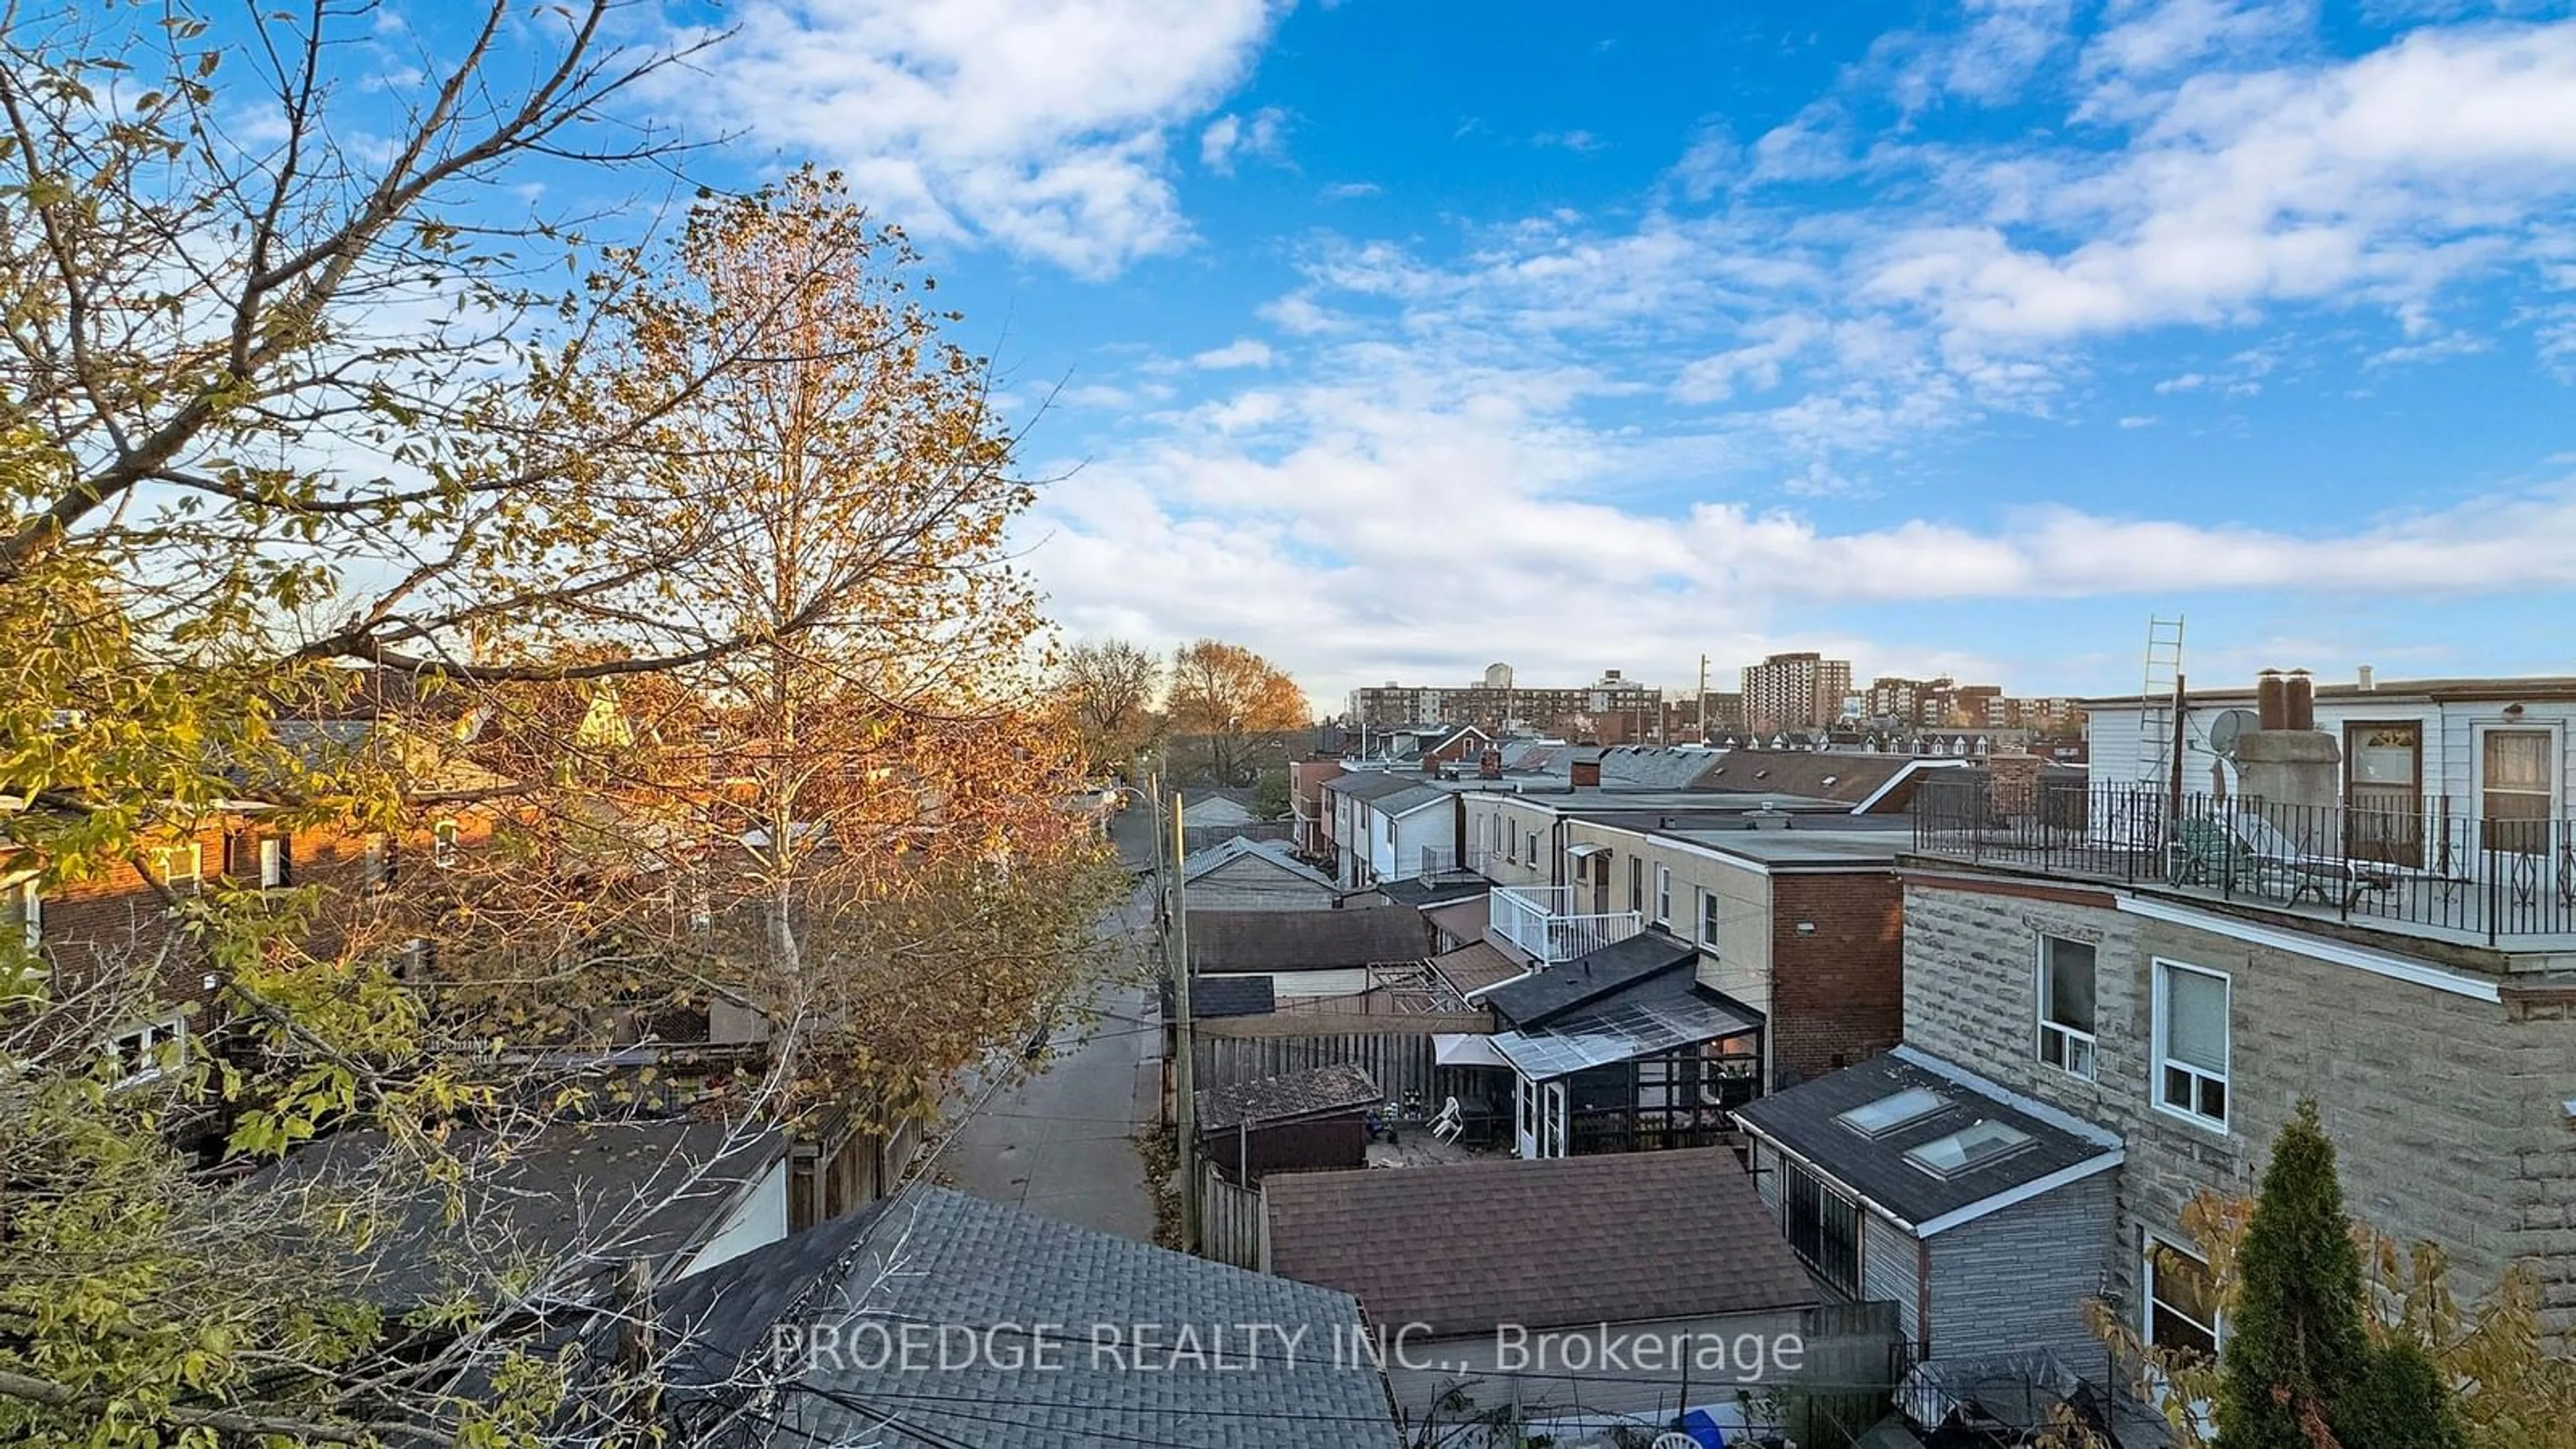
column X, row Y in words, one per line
column 1974, row 1145
column 1877, row 1119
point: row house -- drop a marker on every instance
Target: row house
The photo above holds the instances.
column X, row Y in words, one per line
column 1389, row 825
column 2115, row 998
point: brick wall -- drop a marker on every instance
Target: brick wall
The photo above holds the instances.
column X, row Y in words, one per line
column 2445, row 1110
column 1838, row 991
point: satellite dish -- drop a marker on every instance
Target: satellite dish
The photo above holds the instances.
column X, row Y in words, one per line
column 2230, row 726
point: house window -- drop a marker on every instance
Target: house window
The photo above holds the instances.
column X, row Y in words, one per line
column 376, row 866
column 145, row 1052
column 180, row 867
column 276, row 862
column 1637, row 884
column 1823, row 1228
column 2182, row 1300
column 1530, row 844
column 442, row 844
column 2191, row 1042
column 1707, row 916
column 25, row 907
column 2514, row 795
column 1663, row 895
column 2066, row 1005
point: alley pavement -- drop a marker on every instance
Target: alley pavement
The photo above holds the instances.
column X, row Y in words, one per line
column 1061, row 1143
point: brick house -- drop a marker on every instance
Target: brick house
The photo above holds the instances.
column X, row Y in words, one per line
column 2174, row 975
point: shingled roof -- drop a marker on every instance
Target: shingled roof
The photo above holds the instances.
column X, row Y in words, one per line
column 938, row 1257
column 1275, row 941
column 1318, row 1093
column 1616, row 1238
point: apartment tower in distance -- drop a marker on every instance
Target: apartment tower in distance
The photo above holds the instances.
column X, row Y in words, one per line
column 1795, row 691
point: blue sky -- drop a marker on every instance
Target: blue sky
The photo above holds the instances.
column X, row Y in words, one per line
column 1392, row 339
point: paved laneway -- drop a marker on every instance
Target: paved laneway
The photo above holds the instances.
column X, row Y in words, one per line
column 1062, row 1142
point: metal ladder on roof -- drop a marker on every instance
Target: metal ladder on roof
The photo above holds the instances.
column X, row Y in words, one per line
column 2156, row 701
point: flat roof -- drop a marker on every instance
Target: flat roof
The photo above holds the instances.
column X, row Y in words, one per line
column 1803, row 847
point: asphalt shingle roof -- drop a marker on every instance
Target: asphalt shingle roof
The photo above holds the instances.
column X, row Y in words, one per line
column 1374, row 784
column 1323, row 1091
column 1275, row 853
column 936, row 1257
column 1615, row 1238
column 1273, row 941
column 1586, row 980
column 1801, row 1120
column 616, row 1190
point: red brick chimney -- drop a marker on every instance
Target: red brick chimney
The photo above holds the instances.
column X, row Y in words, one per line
column 1586, row 774
column 1489, row 765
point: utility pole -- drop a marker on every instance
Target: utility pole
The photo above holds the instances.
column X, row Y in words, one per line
column 1703, row 699
column 1185, row 1107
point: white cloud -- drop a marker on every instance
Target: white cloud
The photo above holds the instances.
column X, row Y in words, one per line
column 1037, row 125
column 1711, row 161
column 2185, row 382
column 1351, row 190
column 2379, row 180
column 1579, row 142
column 2137, row 420
column 1242, row 352
column 1231, row 139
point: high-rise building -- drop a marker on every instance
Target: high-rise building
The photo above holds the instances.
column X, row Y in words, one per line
column 1795, row 691
column 1611, row 710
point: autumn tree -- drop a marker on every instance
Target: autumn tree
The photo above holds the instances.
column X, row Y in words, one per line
column 2313, row 1355
column 892, row 881
column 1222, row 696
column 1108, row 689
column 283, row 392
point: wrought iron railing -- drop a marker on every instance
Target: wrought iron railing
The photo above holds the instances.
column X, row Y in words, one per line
column 1542, row 921
column 2431, row 865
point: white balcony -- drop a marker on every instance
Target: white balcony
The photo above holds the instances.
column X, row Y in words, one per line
column 1542, row 921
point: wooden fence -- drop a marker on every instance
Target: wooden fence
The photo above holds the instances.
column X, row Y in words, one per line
column 1229, row 1220
column 1399, row 1063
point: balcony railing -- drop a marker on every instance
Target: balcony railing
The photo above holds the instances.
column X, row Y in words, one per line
column 1440, row 861
column 2428, row 865
column 1542, row 921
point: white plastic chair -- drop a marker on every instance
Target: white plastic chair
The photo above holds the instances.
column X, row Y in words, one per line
column 1451, row 1122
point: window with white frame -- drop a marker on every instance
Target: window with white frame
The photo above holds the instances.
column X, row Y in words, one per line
column 2066, row 979
column 2191, row 1042
column 25, row 907
column 1637, row 884
column 276, row 862
column 180, row 867
column 1529, row 844
column 1663, row 895
column 1708, row 914
column 2182, row 1300
column 442, row 843
column 143, row 1053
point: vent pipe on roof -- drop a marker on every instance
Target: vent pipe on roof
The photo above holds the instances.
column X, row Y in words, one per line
column 2364, row 681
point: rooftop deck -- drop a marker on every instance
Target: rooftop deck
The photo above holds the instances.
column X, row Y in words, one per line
column 2430, row 871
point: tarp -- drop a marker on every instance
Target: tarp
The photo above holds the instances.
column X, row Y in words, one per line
column 1463, row 1049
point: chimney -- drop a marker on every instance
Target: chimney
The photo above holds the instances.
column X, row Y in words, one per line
column 1586, row 774
column 1489, row 765
column 1431, row 762
column 2364, row 680
column 2288, row 767
column 2271, row 701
